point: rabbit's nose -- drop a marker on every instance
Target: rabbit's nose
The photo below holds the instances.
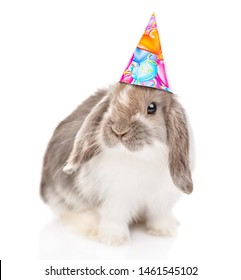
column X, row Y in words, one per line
column 120, row 130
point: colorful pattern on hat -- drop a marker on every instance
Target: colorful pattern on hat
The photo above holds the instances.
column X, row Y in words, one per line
column 146, row 66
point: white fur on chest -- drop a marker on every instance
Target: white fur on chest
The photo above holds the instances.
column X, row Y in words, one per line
column 135, row 179
column 134, row 171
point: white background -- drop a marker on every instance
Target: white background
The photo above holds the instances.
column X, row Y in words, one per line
column 54, row 54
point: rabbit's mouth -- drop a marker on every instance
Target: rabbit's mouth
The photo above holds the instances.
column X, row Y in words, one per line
column 133, row 142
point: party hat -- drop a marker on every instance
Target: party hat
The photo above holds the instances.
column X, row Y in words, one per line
column 146, row 66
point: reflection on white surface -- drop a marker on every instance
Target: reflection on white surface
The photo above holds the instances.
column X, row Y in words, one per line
column 57, row 242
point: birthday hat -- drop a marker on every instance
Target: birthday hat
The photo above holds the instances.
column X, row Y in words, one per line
column 146, row 66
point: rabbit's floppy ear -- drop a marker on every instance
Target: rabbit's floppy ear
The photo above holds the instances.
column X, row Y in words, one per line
column 85, row 145
column 178, row 142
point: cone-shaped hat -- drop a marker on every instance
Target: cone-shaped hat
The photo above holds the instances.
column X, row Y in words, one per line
column 146, row 66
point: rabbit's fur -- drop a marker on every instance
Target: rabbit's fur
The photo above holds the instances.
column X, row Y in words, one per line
column 110, row 163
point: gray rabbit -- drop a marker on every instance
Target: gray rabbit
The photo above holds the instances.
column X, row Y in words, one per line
column 120, row 157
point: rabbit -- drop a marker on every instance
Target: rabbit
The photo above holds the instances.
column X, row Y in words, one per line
column 121, row 157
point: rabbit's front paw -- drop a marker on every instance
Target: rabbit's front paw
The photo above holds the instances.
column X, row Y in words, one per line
column 163, row 227
column 113, row 235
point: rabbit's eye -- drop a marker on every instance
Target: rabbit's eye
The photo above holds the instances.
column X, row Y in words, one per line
column 151, row 109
